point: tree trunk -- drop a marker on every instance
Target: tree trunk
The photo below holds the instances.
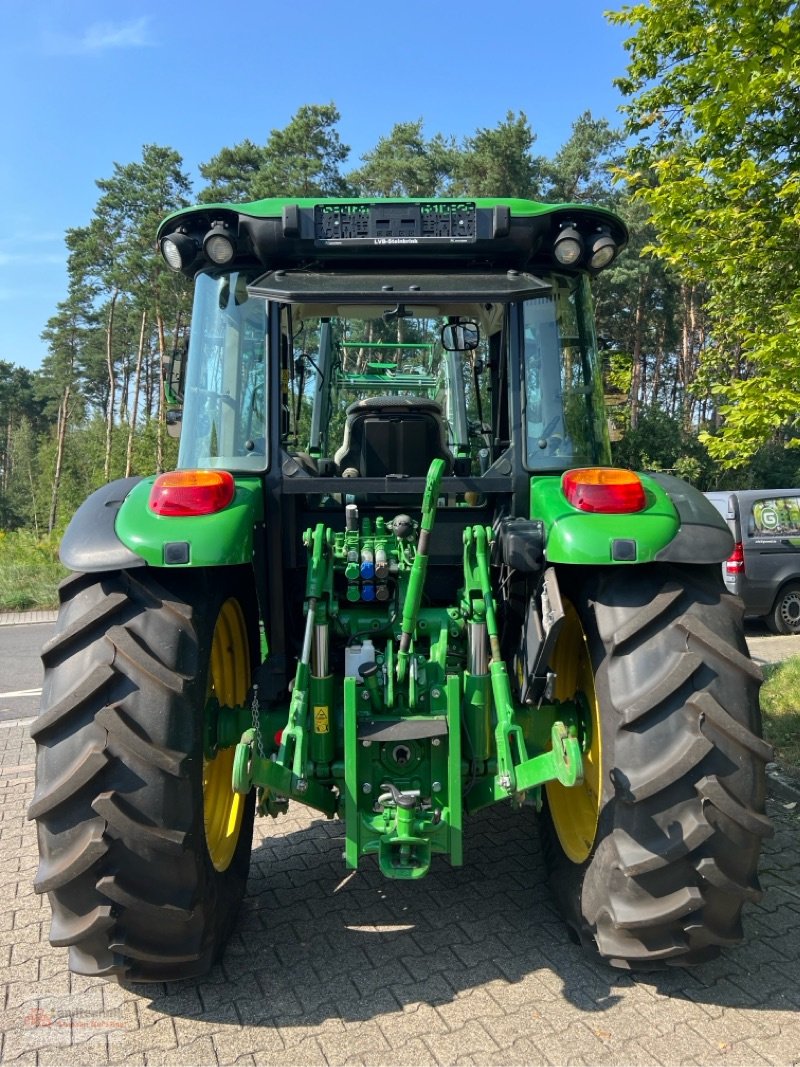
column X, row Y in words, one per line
column 637, row 369
column 162, row 410
column 112, row 385
column 8, row 459
column 690, row 346
column 135, row 403
column 61, row 436
column 125, row 387
column 658, row 364
column 34, row 512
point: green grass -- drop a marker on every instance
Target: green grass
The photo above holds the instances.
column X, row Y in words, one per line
column 29, row 571
column 780, row 709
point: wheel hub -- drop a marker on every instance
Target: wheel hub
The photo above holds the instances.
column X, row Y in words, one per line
column 576, row 811
column 229, row 674
column 790, row 611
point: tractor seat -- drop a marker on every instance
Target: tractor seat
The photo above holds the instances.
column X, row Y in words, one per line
column 393, row 435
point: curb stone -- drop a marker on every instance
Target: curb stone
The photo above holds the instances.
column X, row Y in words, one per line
column 781, row 786
column 13, row 618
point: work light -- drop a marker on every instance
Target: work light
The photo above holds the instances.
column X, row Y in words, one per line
column 568, row 248
column 602, row 251
column 179, row 250
column 219, row 244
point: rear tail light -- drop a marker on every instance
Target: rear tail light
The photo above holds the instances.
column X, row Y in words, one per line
column 604, row 489
column 735, row 561
column 192, row 492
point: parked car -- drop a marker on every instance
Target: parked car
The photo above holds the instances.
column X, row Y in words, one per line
column 764, row 567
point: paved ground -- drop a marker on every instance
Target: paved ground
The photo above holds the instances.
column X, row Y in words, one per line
column 471, row 966
column 765, row 647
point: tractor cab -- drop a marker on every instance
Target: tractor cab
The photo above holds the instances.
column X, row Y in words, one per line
column 370, row 386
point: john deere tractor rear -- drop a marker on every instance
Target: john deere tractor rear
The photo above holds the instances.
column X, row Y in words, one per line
column 395, row 579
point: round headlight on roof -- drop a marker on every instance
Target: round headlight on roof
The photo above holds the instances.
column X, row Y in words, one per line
column 179, row 250
column 219, row 244
column 602, row 250
column 568, row 248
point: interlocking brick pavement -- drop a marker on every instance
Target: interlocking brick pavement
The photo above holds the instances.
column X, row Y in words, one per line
column 470, row 966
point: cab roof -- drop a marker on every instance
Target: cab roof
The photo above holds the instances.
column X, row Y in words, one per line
column 369, row 233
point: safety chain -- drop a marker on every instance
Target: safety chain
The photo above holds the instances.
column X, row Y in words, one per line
column 257, row 723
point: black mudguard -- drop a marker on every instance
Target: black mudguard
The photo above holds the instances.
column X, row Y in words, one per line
column 703, row 536
column 90, row 542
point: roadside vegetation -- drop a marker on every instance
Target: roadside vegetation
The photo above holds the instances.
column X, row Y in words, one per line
column 780, row 708
column 29, row 571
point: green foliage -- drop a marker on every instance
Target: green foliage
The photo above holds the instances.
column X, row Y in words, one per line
column 303, row 159
column 29, row 571
column 405, row 164
column 499, row 162
column 774, row 466
column 70, row 333
column 660, row 443
column 763, row 406
column 231, row 173
column 21, row 416
column 780, row 706
column 22, row 502
column 581, row 169
column 712, row 87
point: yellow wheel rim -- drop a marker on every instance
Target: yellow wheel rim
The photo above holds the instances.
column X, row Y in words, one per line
column 576, row 811
column 228, row 679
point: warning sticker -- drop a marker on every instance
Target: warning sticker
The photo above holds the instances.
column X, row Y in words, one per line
column 321, row 719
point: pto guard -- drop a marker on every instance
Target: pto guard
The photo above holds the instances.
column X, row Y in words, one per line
column 223, row 538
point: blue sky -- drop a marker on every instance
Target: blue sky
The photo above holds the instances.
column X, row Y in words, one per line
column 86, row 83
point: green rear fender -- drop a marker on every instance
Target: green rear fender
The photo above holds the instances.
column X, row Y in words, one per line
column 221, row 539
column 575, row 536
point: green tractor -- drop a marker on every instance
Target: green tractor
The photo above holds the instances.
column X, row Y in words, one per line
column 395, row 579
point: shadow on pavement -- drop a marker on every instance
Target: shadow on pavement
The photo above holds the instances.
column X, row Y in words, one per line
column 315, row 942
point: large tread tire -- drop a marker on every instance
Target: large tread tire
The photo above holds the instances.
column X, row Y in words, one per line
column 681, row 809
column 119, row 775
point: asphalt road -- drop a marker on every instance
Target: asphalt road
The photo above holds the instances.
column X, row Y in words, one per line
column 21, row 669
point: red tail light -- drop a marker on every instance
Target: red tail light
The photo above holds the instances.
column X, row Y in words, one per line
column 193, row 492
column 604, row 489
column 735, row 562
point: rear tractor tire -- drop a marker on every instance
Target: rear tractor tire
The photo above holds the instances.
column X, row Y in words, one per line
column 144, row 848
column 652, row 859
